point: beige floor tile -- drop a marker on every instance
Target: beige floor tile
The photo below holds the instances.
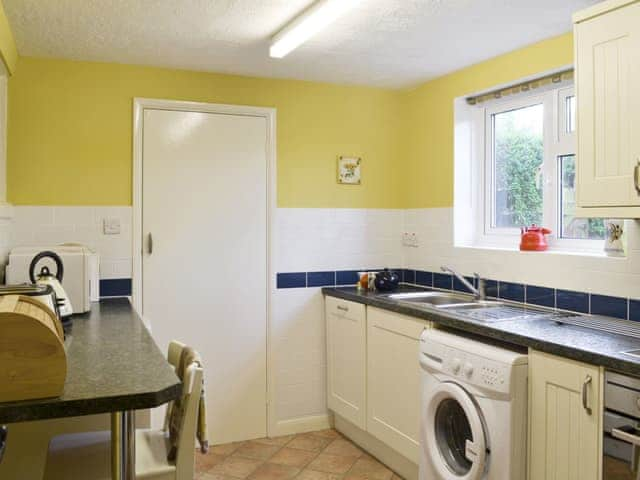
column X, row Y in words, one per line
column 307, row 474
column 225, row 449
column 293, row 457
column 212, row 476
column 256, row 450
column 237, row 467
column 344, row 448
column 276, row 440
column 369, row 469
column 271, row 471
column 332, row 463
column 309, row 442
column 328, row 433
column 206, row 461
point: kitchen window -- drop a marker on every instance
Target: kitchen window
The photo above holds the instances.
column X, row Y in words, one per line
column 527, row 167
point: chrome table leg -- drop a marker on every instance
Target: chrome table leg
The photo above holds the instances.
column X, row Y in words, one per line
column 129, row 445
column 116, row 446
column 123, row 445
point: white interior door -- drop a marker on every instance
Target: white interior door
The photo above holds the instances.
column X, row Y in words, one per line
column 204, row 281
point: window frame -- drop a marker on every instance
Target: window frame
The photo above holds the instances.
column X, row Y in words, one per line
column 557, row 142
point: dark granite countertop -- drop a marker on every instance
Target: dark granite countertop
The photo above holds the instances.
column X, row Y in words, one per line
column 113, row 364
column 543, row 334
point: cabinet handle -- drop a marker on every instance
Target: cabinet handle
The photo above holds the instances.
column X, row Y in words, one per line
column 344, row 309
column 3, row 440
column 150, row 244
column 585, row 387
column 636, row 176
column 627, row 434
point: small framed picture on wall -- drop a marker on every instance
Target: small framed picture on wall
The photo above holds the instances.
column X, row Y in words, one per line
column 349, row 170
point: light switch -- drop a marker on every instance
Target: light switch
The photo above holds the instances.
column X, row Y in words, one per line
column 111, row 226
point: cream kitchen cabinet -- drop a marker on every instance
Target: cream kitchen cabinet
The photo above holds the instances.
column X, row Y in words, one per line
column 565, row 419
column 607, row 55
column 346, row 359
column 393, row 380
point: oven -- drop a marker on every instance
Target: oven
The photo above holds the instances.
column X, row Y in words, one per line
column 621, row 425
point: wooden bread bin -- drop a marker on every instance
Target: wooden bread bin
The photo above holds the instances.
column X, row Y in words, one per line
column 33, row 361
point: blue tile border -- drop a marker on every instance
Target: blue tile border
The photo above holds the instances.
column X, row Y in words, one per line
column 115, row 287
column 292, row 280
column 634, row 310
column 543, row 296
column 511, row 291
column 347, row 277
column 609, row 306
column 423, row 278
column 321, row 279
column 569, row 300
column 572, row 301
column 443, row 280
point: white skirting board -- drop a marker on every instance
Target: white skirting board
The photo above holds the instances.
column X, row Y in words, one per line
column 392, row 459
column 301, row 425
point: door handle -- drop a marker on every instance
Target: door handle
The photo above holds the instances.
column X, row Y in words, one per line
column 150, row 244
column 636, row 176
column 585, row 388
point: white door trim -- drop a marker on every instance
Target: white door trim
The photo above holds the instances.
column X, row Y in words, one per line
column 269, row 114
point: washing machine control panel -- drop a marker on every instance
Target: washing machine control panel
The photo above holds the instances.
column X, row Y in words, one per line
column 477, row 370
column 471, row 362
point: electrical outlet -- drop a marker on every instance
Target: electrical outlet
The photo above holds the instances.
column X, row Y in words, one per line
column 410, row 239
column 415, row 241
column 111, row 226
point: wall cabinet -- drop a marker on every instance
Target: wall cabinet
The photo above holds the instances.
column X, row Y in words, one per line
column 393, row 380
column 607, row 56
column 346, row 359
column 565, row 412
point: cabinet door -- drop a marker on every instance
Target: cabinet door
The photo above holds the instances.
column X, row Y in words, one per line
column 393, row 380
column 346, row 359
column 565, row 429
column 608, row 73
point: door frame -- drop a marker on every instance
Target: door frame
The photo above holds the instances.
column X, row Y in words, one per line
column 269, row 114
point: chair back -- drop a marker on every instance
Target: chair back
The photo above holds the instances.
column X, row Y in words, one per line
column 173, row 357
column 192, row 388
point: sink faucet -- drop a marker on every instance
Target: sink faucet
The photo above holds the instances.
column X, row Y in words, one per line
column 479, row 292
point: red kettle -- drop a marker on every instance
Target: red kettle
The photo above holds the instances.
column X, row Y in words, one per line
column 533, row 238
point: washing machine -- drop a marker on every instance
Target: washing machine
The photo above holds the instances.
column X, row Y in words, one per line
column 474, row 409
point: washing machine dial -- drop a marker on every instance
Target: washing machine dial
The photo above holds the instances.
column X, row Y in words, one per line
column 467, row 369
column 456, row 364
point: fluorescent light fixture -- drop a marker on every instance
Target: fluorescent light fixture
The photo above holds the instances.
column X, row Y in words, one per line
column 307, row 24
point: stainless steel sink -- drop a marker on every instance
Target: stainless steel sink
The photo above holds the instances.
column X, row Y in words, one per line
column 486, row 311
column 476, row 304
column 436, row 299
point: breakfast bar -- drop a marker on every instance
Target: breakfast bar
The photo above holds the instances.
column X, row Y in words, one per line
column 113, row 366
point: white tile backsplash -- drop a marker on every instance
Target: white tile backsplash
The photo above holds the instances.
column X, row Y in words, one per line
column 51, row 225
column 318, row 239
column 603, row 275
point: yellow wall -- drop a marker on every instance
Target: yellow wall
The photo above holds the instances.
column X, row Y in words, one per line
column 70, row 132
column 427, row 136
column 70, row 129
column 8, row 50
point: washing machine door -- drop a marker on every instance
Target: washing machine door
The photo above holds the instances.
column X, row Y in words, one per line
column 455, row 434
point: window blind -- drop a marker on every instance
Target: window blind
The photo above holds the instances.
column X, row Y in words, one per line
column 522, row 87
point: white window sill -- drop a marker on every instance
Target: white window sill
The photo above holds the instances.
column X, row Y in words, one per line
column 550, row 251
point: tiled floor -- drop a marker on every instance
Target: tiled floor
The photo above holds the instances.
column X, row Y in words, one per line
column 323, row 455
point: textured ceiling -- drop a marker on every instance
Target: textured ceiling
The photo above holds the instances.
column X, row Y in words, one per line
column 388, row 43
